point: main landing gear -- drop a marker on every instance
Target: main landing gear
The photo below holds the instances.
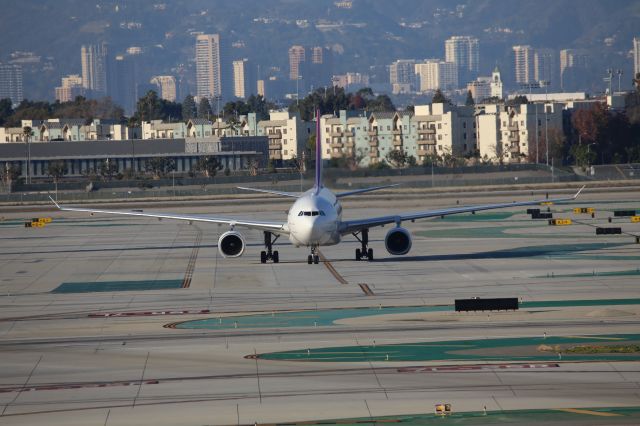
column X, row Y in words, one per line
column 269, row 254
column 363, row 253
column 313, row 257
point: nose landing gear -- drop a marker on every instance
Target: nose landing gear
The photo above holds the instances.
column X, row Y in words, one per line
column 269, row 254
column 313, row 257
column 364, row 253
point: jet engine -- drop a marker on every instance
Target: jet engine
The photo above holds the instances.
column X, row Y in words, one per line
column 398, row 241
column 231, row 244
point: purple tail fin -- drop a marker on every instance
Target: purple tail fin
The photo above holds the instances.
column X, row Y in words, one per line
column 318, row 181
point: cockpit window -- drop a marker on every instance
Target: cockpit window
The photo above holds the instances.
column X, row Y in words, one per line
column 311, row 213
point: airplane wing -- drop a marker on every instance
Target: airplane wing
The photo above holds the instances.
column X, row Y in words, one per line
column 351, row 226
column 274, row 227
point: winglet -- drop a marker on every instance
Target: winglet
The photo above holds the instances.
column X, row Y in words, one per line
column 54, row 202
column 579, row 191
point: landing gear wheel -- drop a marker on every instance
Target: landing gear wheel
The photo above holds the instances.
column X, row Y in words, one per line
column 309, row 259
column 316, row 259
column 363, row 252
column 269, row 254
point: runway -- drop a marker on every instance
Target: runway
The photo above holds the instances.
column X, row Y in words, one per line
column 118, row 321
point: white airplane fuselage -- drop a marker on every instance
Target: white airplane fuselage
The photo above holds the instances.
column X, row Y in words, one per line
column 314, row 219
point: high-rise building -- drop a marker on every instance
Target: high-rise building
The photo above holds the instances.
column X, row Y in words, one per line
column 123, row 82
column 545, row 65
column 11, row 83
column 296, row 60
column 94, row 68
column 636, row 56
column 464, row 52
column 70, row 88
column 436, row 74
column 241, row 86
column 524, row 64
column 402, row 75
column 166, row 85
column 573, row 64
column 208, row 66
column 261, row 89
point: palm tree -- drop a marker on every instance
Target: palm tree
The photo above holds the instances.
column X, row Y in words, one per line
column 27, row 133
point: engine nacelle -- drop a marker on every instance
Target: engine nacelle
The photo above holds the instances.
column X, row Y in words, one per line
column 398, row 241
column 231, row 244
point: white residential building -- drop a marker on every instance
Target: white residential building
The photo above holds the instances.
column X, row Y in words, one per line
column 435, row 74
column 464, row 52
column 166, row 85
column 514, row 133
column 208, row 66
column 288, row 135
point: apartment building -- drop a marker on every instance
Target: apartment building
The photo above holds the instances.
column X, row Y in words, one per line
column 71, row 87
column 288, row 135
column 435, row 74
column 513, row 133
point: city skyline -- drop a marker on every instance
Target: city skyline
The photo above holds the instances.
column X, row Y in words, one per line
column 320, row 61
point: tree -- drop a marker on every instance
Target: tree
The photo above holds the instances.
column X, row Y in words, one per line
column 160, row 166
column 204, row 109
column 108, row 169
column 209, row 165
column 6, row 110
column 469, row 101
column 189, row 109
column 398, row 158
column 439, row 98
column 10, row 173
column 56, row 169
column 148, row 107
column 582, row 155
column 518, row 100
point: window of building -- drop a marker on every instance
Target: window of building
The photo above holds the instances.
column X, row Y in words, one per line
column 464, row 136
column 439, row 137
column 284, row 131
column 464, row 124
column 285, row 152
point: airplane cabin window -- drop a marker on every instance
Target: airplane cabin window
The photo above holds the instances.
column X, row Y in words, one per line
column 314, row 213
column 307, row 213
column 301, row 213
column 322, row 213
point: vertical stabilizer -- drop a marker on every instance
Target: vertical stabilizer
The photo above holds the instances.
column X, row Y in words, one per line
column 318, row 181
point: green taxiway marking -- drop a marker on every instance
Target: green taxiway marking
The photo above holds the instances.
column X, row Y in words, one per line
column 327, row 317
column 104, row 286
column 613, row 416
column 523, row 349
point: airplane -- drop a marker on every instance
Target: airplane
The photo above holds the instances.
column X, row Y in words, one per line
column 315, row 219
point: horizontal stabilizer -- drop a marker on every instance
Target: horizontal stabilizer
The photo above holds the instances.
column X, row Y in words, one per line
column 268, row 191
column 363, row 190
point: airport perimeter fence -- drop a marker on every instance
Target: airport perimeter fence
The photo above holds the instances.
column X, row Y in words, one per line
column 289, row 183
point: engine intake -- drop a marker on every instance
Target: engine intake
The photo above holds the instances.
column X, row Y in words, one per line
column 231, row 244
column 398, row 241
